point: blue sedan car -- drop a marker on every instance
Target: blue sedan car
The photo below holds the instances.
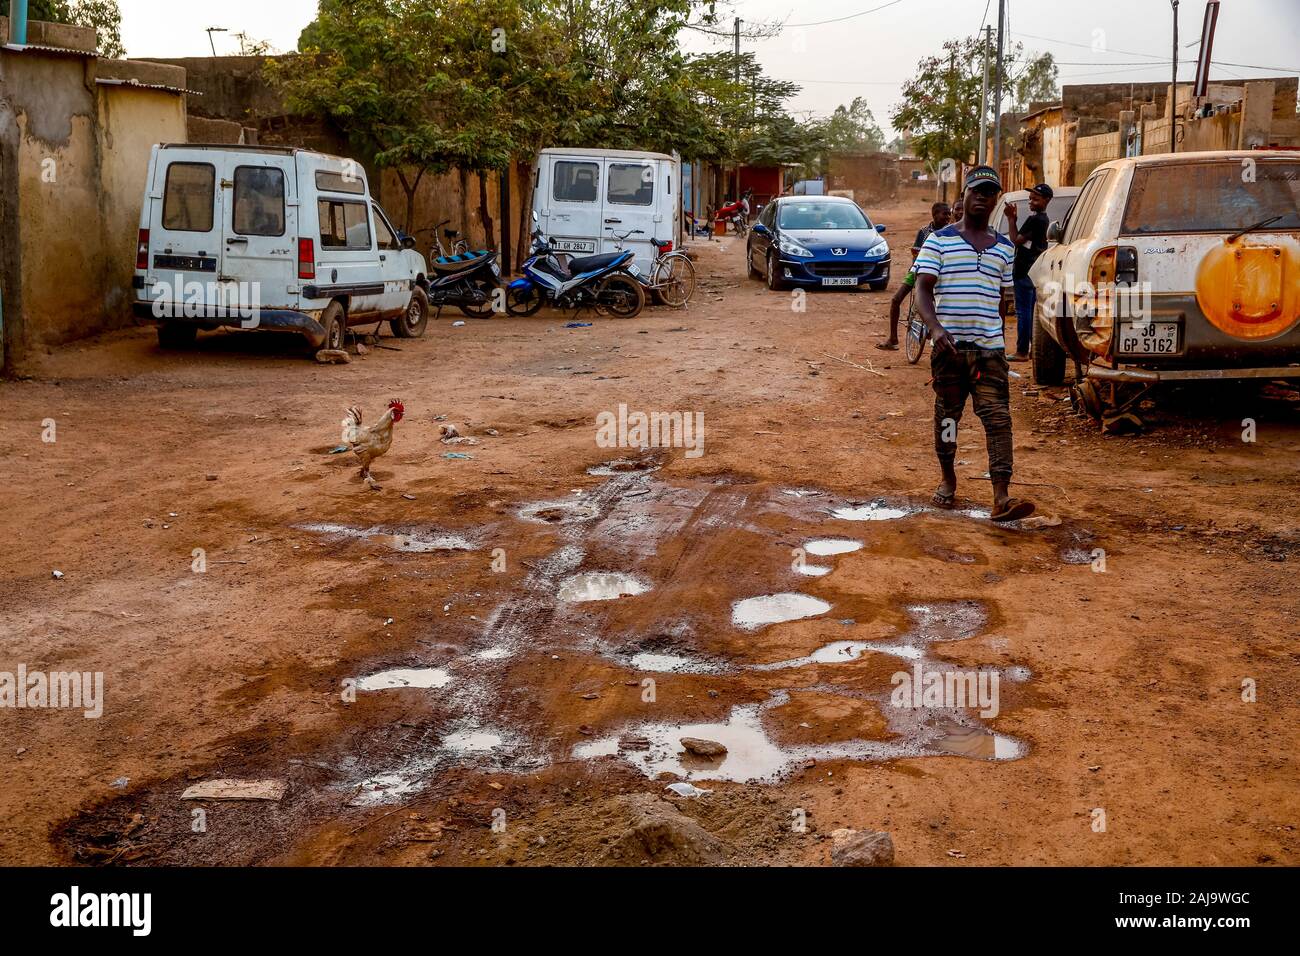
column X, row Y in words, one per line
column 817, row 241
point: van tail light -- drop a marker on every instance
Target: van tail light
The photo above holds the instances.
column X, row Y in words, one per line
column 306, row 259
column 1126, row 266
column 142, row 250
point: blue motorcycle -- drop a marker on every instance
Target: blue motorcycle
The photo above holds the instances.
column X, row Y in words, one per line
column 606, row 282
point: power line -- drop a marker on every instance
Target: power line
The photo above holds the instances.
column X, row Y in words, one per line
column 851, row 16
column 1156, row 60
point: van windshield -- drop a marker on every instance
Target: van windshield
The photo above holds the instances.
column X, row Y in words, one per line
column 1220, row 196
column 822, row 215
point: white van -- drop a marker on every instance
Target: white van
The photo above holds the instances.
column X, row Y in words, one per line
column 270, row 238
column 584, row 198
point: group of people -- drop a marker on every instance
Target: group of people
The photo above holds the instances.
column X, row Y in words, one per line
column 965, row 277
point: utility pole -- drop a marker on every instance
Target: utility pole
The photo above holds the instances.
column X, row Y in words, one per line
column 981, row 153
column 1173, row 86
column 736, row 195
column 997, row 96
column 951, row 145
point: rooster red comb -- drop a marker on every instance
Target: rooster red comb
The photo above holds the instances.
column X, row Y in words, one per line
column 398, row 409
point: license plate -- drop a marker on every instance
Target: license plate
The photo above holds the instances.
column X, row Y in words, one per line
column 847, row 280
column 1148, row 338
column 573, row 245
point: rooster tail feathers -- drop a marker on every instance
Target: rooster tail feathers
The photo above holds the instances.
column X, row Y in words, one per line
column 351, row 425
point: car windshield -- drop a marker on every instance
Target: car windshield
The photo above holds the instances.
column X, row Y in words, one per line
column 1225, row 196
column 822, row 215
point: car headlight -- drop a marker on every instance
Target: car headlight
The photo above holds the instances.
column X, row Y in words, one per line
column 879, row 249
column 792, row 248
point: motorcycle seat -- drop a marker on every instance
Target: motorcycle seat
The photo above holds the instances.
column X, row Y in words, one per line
column 460, row 262
column 592, row 263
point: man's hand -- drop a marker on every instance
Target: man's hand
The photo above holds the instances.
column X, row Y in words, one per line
column 1011, row 212
column 944, row 343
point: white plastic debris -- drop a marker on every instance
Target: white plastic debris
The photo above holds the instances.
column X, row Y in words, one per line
column 687, row 790
column 57, row 574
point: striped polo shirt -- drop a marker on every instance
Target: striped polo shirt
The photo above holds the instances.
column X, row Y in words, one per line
column 969, row 287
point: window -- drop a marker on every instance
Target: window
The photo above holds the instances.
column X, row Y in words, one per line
column 576, row 182
column 259, row 201
column 1212, row 197
column 350, row 181
column 1087, row 207
column 384, row 237
column 343, row 225
column 631, row 184
column 823, row 215
column 188, row 197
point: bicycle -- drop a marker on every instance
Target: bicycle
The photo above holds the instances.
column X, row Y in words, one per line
column 917, row 332
column 672, row 274
column 459, row 245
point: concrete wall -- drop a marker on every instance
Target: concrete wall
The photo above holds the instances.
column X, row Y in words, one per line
column 73, row 155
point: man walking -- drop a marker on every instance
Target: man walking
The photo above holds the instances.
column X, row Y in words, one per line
column 939, row 215
column 1030, row 241
column 962, row 273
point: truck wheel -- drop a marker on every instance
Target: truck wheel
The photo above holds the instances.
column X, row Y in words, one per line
column 177, row 335
column 415, row 319
column 334, row 321
column 1049, row 358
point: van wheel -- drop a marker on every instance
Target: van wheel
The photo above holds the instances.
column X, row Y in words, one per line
column 334, row 321
column 1049, row 358
column 177, row 335
column 415, row 319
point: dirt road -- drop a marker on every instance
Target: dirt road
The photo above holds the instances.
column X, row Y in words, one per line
column 1124, row 640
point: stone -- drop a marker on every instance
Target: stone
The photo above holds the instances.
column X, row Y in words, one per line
column 333, row 357
column 658, row 832
column 861, row 848
column 703, row 748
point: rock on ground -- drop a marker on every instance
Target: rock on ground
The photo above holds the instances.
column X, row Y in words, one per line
column 657, row 832
column 861, row 848
column 703, row 748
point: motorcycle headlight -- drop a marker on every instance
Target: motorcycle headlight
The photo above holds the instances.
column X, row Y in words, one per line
column 792, row 248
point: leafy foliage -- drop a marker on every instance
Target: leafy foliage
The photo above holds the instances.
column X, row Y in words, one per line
column 103, row 15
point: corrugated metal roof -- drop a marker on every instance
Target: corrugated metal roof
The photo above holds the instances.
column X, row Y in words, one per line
column 40, row 48
column 106, row 81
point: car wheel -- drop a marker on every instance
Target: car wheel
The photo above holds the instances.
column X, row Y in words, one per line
column 334, row 321
column 774, row 281
column 749, row 263
column 177, row 335
column 878, row 286
column 1048, row 357
column 415, row 319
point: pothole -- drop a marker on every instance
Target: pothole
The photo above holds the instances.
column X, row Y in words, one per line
column 424, row 678
column 600, row 586
column 752, row 613
column 559, row 512
column 411, row 541
column 828, row 547
column 877, row 510
column 472, row 741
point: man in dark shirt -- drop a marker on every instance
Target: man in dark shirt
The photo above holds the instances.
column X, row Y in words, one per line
column 1030, row 240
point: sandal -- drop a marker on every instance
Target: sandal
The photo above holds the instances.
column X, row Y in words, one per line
column 887, row 346
column 944, row 499
column 1013, row 509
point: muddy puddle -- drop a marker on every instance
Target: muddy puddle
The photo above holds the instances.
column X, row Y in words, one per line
column 752, row 613
column 410, row 541
column 600, row 586
column 424, row 678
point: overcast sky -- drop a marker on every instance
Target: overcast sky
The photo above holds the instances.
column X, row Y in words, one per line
column 866, row 54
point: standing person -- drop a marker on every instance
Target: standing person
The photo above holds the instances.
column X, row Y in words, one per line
column 1030, row 241
column 939, row 217
column 962, row 273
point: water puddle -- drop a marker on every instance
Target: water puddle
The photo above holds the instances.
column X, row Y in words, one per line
column 393, row 786
column 812, row 570
column 411, row 541
column 622, row 466
column 424, row 678
column 752, row 613
column 670, row 664
column 472, row 741
column 981, row 745
column 826, row 547
column 835, row 653
column 559, row 512
column 600, row 586
column 876, row 510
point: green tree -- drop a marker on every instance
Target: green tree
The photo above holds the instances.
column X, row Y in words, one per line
column 941, row 103
column 853, row 129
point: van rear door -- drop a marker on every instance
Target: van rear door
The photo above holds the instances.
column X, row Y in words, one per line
column 185, row 248
column 632, row 188
column 260, row 223
column 571, row 203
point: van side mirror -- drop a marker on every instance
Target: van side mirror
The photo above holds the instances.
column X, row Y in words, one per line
column 1054, row 232
column 880, row 227
column 408, row 242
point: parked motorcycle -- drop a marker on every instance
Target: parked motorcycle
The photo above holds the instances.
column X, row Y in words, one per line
column 465, row 279
column 608, row 283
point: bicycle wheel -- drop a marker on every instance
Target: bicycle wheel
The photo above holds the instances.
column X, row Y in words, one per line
column 620, row 296
column 917, row 333
column 674, row 280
